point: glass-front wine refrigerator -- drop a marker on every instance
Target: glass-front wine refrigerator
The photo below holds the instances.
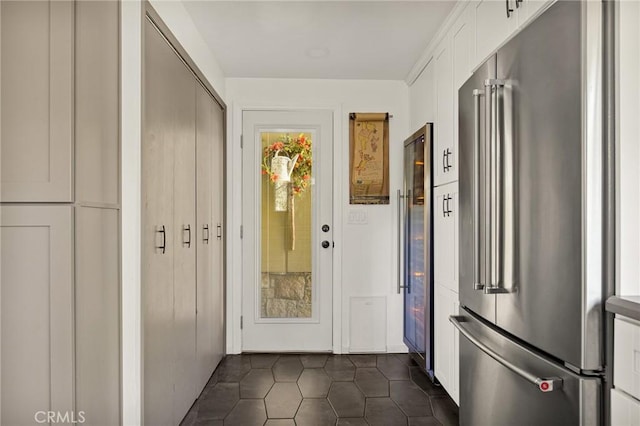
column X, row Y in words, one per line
column 415, row 249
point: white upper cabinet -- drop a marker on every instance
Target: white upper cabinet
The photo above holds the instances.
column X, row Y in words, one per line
column 36, row 97
column 96, row 103
column 495, row 22
column 444, row 153
column 422, row 97
column 462, row 48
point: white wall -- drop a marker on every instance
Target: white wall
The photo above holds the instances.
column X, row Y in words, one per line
column 179, row 22
column 131, row 128
column 365, row 255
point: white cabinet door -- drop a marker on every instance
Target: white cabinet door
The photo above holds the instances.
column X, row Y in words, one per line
column 446, row 340
column 97, row 315
column 36, row 97
column 36, row 283
column 422, row 97
column 444, row 155
column 445, row 230
column 462, row 49
column 455, row 388
column 625, row 410
column 97, row 102
column 493, row 26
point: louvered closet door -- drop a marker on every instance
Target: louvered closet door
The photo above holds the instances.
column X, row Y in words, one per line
column 160, row 128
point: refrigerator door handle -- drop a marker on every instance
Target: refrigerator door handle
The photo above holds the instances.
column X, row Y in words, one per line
column 496, row 135
column 549, row 384
column 477, row 281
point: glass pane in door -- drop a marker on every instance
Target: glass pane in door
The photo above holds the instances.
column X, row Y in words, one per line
column 286, row 289
column 415, row 249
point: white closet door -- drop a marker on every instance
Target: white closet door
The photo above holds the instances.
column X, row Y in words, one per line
column 158, row 229
column 205, row 237
column 36, row 97
column 36, row 285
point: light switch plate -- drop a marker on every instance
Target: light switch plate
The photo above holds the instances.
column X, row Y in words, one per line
column 358, row 217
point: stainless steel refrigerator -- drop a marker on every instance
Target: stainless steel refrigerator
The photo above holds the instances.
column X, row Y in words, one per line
column 415, row 247
column 531, row 226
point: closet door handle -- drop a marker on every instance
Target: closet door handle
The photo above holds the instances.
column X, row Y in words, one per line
column 187, row 229
column 509, row 10
column 205, row 233
column 219, row 231
column 163, row 245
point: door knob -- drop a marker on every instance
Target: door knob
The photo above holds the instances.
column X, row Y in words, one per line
column 325, row 244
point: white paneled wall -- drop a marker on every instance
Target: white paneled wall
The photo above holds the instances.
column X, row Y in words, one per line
column 629, row 147
column 364, row 255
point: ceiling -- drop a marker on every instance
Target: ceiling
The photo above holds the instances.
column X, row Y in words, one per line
column 318, row 39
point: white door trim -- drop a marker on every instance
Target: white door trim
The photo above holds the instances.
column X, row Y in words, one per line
column 234, row 215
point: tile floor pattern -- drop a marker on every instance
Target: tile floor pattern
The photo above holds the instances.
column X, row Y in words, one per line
column 319, row 390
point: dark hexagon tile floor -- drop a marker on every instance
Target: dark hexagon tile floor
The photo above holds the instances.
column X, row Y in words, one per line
column 319, row 390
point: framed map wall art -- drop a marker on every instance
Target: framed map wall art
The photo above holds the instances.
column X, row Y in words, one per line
column 368, row 158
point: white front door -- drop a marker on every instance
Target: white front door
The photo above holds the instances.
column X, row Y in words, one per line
column 287, row 247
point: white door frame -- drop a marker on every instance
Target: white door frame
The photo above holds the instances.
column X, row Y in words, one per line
column 234, row 221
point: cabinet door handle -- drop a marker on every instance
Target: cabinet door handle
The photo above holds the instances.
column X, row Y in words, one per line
column 444, row 160
column 509, row 10
column 518, row 3
column 187, row 229
column 163, row 245
column 205, row 233
column 219, row 231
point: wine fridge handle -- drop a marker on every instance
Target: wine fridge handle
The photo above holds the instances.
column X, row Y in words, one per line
column 400, row 235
